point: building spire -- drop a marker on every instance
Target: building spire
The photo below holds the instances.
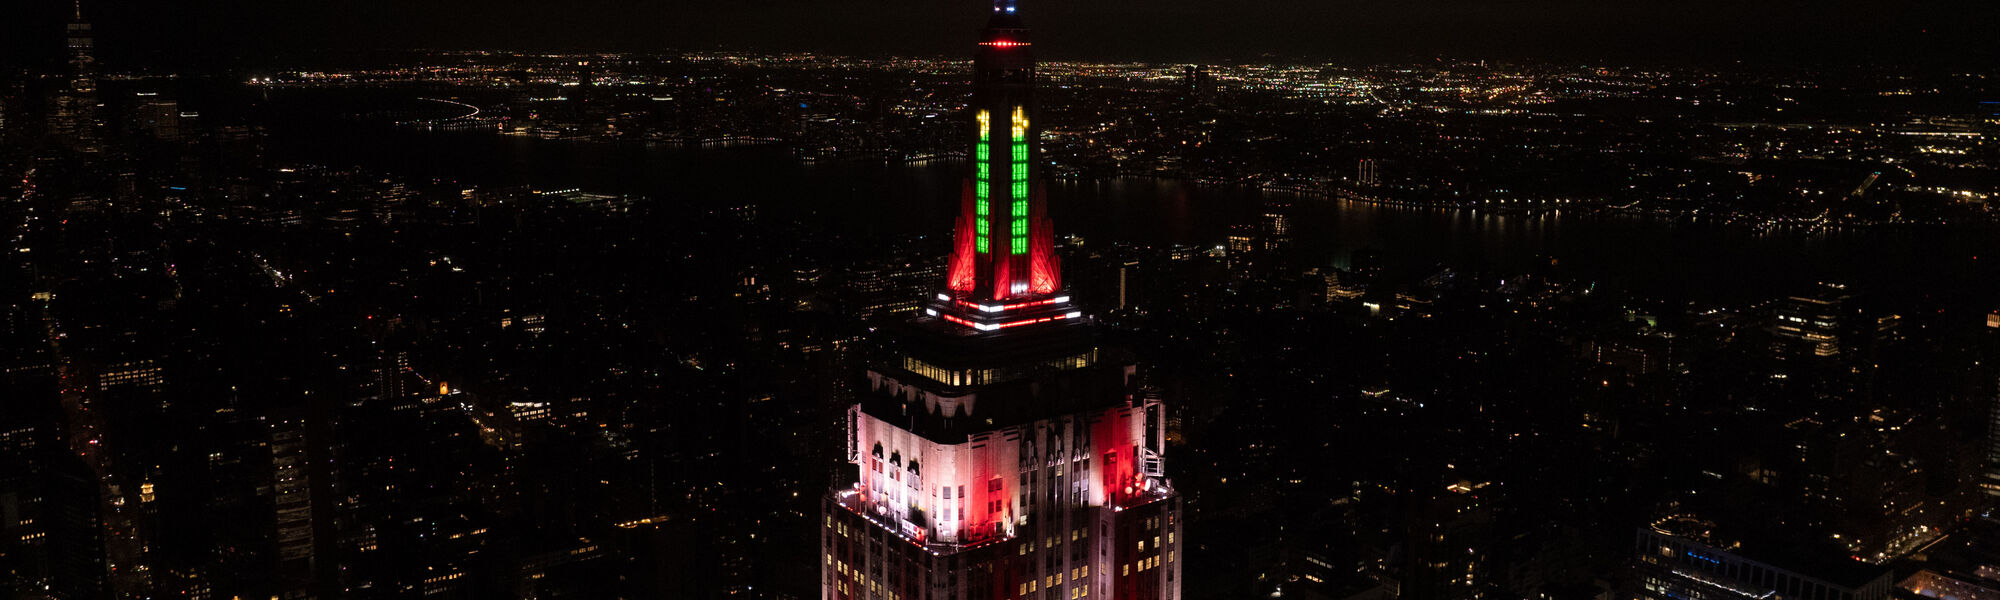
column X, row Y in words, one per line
column 1003, row 270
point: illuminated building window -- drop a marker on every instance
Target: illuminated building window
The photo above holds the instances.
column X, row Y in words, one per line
column 984, row 171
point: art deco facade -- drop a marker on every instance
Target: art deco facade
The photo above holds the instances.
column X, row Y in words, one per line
column 1002, row 451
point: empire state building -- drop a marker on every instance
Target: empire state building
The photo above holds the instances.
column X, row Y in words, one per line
column 1002, row 452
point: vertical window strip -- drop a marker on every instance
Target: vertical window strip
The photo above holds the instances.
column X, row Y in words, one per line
column 982, row 180
column 1019, row 180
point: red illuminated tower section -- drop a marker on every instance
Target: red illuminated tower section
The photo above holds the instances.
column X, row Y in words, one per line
column 1001, row 451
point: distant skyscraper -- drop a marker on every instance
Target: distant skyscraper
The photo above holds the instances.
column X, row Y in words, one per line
column 1811, row 325
column 158, row 117
column 1276, row 226
column 292, row 505
column 1127, row 271
column 75, row 118
column 892, row 288
column 81, row 55
column 1002, row 452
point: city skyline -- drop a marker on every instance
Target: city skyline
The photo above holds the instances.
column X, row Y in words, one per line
column 255, row 35
column 325, row 305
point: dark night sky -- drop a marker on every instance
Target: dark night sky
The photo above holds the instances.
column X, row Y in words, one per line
column 184, row 33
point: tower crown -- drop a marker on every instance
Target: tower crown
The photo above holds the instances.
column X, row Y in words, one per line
column 1004, row 271
column 1000, row 446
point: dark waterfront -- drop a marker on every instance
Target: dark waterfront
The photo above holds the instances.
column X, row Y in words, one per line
column 1672, row 257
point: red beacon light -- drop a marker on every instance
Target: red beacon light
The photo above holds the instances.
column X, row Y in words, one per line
column 1003, row 44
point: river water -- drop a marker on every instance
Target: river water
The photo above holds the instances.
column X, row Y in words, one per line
column 1673, row 258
